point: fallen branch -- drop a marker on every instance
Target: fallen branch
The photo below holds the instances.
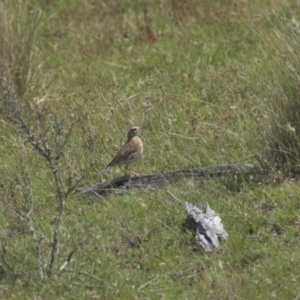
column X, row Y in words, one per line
column 152, row 181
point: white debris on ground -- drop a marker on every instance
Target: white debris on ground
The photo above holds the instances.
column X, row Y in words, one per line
column 209, row 227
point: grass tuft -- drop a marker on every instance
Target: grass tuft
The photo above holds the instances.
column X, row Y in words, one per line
column 19, row 47
column 280, row 96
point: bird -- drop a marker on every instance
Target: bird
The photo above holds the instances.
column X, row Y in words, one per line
column 130, row 152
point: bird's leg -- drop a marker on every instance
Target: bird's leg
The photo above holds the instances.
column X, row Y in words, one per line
column 124, row 170
column 127, row 169
column 128, row 172
column 136, row 174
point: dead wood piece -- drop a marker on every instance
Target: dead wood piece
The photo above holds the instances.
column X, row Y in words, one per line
column 209, row 227
column 152, row 181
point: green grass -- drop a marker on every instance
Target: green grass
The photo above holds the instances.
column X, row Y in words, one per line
column 213, row 84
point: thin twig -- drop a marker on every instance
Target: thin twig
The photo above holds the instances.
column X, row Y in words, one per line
column 3, row 252
column 147, row 283
column 33, row 231
column 90, row 275
column 182, row 136
column 27, row 219
column 173, row 196
column 164, row 224
column 54, row 244
column 68, row 260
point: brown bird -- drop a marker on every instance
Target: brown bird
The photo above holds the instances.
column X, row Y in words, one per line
column 131, row 151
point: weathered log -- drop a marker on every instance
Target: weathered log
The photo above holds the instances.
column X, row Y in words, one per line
column 152, row 181
column 208, row 224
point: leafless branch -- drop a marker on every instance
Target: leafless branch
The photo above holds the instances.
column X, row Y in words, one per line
column 42, row 128
column 27, row 219
column 68, row 260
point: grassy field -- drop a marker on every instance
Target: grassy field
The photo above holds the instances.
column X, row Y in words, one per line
column 212, row 82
